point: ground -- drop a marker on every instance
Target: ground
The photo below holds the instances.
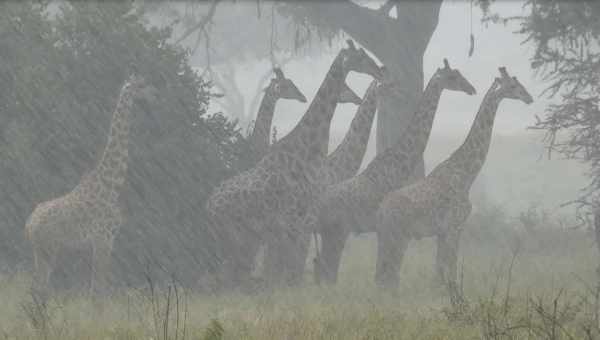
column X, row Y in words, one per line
column 549, row 266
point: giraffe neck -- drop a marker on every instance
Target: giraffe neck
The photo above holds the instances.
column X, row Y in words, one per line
column 345, row 160
column 395, row 165
column 260, row 137
column 310, row 138
column 466, row 162
column 112, row 168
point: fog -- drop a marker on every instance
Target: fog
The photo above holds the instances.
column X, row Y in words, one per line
column 200, row 170
column 495, row 45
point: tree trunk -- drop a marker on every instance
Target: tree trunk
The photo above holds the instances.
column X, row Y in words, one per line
column 399, row 43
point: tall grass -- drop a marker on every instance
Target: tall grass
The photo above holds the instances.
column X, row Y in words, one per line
column 519, row 283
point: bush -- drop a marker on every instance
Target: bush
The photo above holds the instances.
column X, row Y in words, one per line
column 62, row 75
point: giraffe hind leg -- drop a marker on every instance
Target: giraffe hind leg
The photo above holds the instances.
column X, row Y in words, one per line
column 333, row 240
column 101, row 254
column 44, row 263
column 392, row 243
column 447, row 255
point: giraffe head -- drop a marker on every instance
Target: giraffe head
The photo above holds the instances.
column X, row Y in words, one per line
column 509, row 87
column 283, row 87
column 348, row 96
column 357, row 60
column 139, row 89
column 451, row 79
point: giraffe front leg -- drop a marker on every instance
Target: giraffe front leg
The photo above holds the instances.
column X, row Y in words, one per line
column 447, row 258
column 44, row 262
column 297, row 258
column 391, row 246
column 333, row 240
column 101, row 254
column 448, row 242
column 275, row 251
column 392, row 242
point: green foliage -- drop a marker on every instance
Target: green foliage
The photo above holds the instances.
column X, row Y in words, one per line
column 61, row 77
column 566, row 40
column 310, row 29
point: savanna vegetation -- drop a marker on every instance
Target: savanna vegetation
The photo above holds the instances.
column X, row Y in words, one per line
column 525, row 275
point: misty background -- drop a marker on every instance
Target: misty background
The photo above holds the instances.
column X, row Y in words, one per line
column 518, row 172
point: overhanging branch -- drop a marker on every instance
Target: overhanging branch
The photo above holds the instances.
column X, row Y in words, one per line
column 200, row 25
column 387, row 7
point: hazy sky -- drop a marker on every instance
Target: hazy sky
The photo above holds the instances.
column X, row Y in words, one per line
column 495, row 46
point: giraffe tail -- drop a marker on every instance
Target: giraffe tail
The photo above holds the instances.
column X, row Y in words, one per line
column 31, row 223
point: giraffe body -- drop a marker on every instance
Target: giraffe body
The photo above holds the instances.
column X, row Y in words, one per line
column 269, row 200
column 439, row 204
column 341, row 164
column 351, row 205
column 89, row 216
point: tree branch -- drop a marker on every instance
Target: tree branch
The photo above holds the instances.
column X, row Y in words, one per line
column 387, row 7
column 383, row 35
column 200, row 25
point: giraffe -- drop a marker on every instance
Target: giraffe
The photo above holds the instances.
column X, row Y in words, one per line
column 352, row 142
column 341, row 164
column 350, row 205
column 345, row 160
column 267, row 199
column 89, row 216
column 279, row 87
column 438, row 204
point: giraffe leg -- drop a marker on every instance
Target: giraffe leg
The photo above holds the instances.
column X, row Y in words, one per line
column 248, row 264
column 101, row 253
column 391, row 246
column 275, row 250
column 597, row 233
column 447, row 257
column 44, row 262
column 270, row 262
column 448, row 245
column 297, row 258
column 242, row 258
column 440, row 256
column 333, row 240
column 282, row 258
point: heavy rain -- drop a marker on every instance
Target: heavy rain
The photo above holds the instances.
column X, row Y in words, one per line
column 259, row 169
